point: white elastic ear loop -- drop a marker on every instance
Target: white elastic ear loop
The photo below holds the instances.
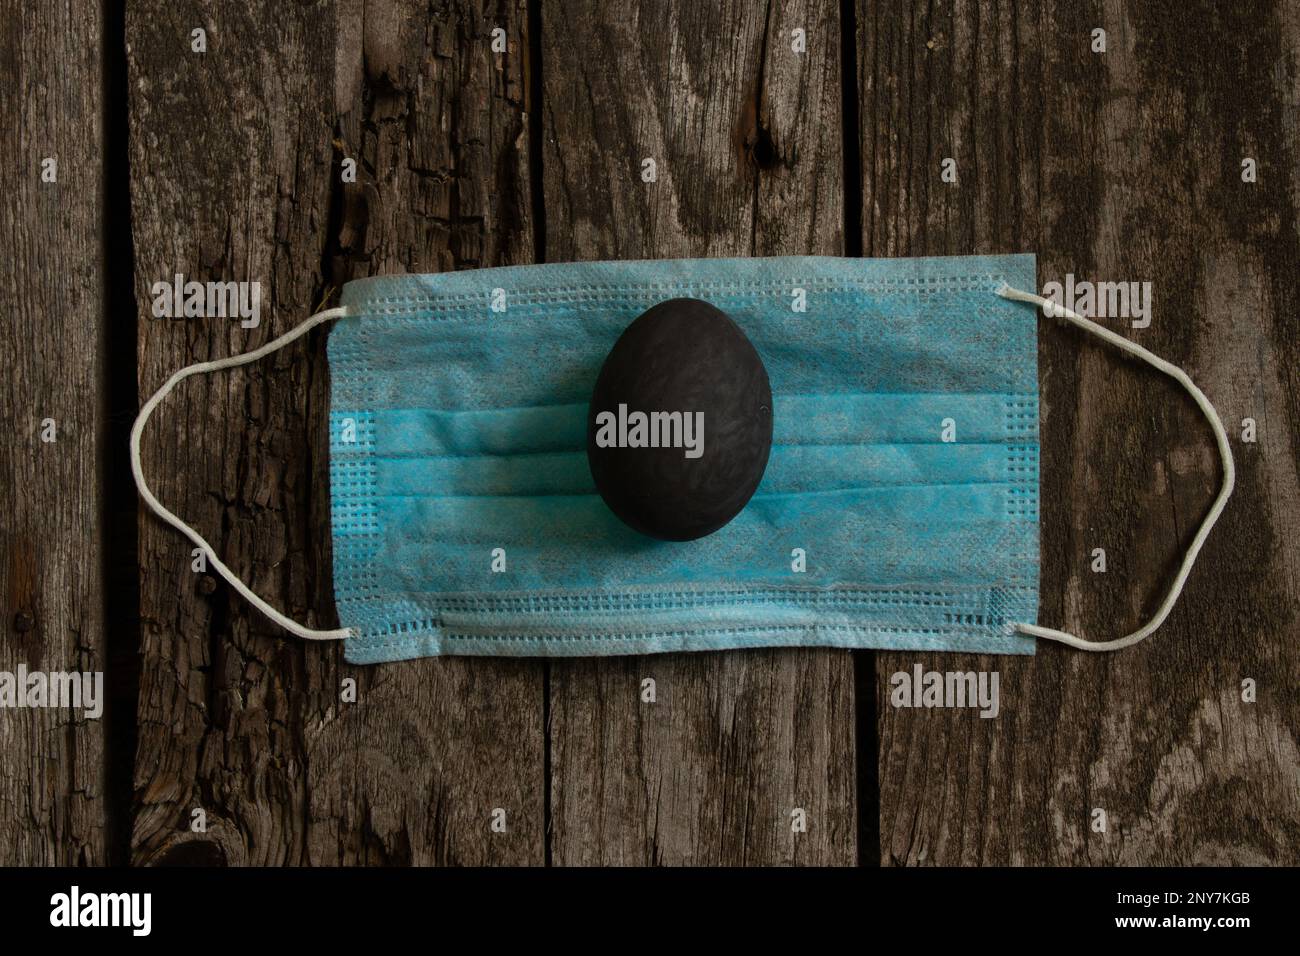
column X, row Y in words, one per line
column 1216, row 509
column 156, row 506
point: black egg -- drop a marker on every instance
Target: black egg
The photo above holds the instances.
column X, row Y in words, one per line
column 680, row 424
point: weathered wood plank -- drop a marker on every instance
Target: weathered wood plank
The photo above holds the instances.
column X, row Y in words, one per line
column 745, row 135
column 51, row 590
column 236, row 175
column 439, row 123
column 1117, row 165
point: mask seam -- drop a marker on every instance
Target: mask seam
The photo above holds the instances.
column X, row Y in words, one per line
column 756, row 631
column 389, row 304
column 417, row 629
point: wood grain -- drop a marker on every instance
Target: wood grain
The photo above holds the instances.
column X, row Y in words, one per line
column 236, row 159
column 1121, row 165
column 51, row 577
column 745, row 134
column 1115, row 165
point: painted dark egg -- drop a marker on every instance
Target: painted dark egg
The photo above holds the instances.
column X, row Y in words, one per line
column 680, row 424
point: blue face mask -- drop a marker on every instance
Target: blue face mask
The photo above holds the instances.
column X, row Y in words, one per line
column 899, row 508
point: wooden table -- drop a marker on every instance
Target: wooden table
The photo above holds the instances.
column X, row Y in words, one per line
column 226, row 164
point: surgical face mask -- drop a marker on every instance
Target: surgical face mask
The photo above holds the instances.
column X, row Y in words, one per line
column 899, row 507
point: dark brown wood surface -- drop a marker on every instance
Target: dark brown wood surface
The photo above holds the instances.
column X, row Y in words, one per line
column 1117, row 165
column 53, row 808
column 236, row 174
